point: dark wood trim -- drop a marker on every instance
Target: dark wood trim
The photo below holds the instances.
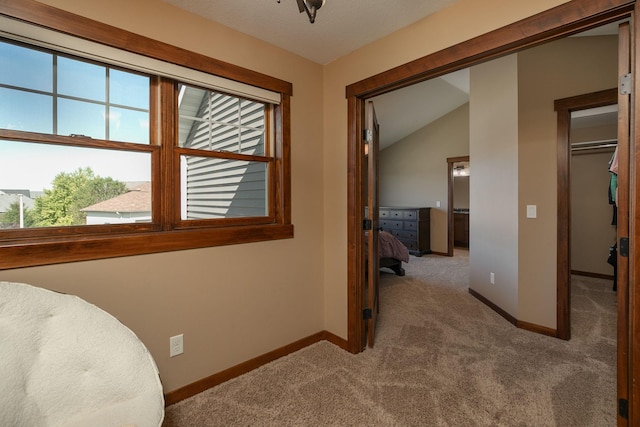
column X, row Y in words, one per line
column 566, row 19
column 450, row 223
column 532, row 327
column 439, row 253
column 563, row 198
column 355, row 236
column 594, row 275
column 511, row 319
column 564, row 107
column 25, row 254
column 335, row 340
column 79, row 26
column 586, row 101
column 457, row 159
column 282, row 154
column 450, row 217
column 216, row 379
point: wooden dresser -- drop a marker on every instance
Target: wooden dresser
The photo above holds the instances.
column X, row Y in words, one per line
column 412, row 226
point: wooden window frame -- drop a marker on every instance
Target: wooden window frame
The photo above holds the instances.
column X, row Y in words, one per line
column 28, row 248
column 268, row 158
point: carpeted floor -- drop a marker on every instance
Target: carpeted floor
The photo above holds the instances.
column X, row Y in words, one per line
column 441, row 358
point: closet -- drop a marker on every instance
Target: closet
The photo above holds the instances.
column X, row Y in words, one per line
column 593, row 231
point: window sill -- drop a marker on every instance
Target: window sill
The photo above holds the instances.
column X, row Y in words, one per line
column 17, row 254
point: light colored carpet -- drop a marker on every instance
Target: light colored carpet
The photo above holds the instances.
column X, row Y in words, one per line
column 441, row 358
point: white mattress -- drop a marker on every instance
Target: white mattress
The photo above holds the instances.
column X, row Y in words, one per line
column 65, row 362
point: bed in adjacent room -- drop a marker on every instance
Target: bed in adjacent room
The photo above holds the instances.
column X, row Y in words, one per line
column 392, row 253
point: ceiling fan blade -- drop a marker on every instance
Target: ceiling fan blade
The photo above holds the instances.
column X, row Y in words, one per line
column 301, row 5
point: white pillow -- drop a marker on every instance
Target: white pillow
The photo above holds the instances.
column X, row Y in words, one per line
column 65, row 362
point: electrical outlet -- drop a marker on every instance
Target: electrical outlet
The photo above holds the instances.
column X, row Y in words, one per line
column 176, row 345
column 492, row 278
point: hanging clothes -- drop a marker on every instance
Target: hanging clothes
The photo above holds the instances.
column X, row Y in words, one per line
column 613, row 185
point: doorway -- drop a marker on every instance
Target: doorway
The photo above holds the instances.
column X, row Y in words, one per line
column 567, row 19
column 458, row 176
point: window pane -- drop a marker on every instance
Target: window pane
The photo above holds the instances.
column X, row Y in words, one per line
column 218, row 122
column 252, row 142
column 26, row 68
column 129, row 90
column 221, row 188
column 74, row 186
column 252, row 114
column 25, row 111
column 128, row 125
column 81, row 79
column 81, row 118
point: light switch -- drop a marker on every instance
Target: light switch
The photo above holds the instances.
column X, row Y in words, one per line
column 532, row 211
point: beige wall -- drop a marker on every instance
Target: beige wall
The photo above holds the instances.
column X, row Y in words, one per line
column 231, row 303
column 567, row 67
column 413, row 171
column 293, row 288
column 493, row 146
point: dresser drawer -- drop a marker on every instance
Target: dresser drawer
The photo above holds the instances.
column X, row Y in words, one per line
column 410, row 215
column 384, row 213
column 410, row 225
column 405, row 235
column 393, row 214
column 391, row 225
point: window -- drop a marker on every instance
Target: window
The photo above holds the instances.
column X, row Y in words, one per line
column 225, row 170
column 75, row 117
column 105, row 152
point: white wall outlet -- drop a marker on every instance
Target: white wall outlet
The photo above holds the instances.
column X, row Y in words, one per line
column 492, row 278
column 437, row 203
column 532, row 211
column 176, row 345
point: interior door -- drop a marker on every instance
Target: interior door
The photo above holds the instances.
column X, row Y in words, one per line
column 622, row 202
column 372, row 302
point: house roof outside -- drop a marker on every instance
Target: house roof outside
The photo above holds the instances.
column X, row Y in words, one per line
column 137, row 199
column 15, row 191
column 9, row 197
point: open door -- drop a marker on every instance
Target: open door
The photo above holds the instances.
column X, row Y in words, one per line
column 622, row 203
column 372, row 275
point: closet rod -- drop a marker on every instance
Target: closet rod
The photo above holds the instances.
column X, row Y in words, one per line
column 594, row 145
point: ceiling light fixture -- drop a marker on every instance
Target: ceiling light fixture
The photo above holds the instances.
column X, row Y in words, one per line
column 460, row 171
column 309, row 6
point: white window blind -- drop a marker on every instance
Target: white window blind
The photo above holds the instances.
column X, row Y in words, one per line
column 38, row 36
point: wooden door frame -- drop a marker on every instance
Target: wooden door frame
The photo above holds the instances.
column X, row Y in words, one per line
column 563, row 108
column 561, row 21
column 450, row 225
